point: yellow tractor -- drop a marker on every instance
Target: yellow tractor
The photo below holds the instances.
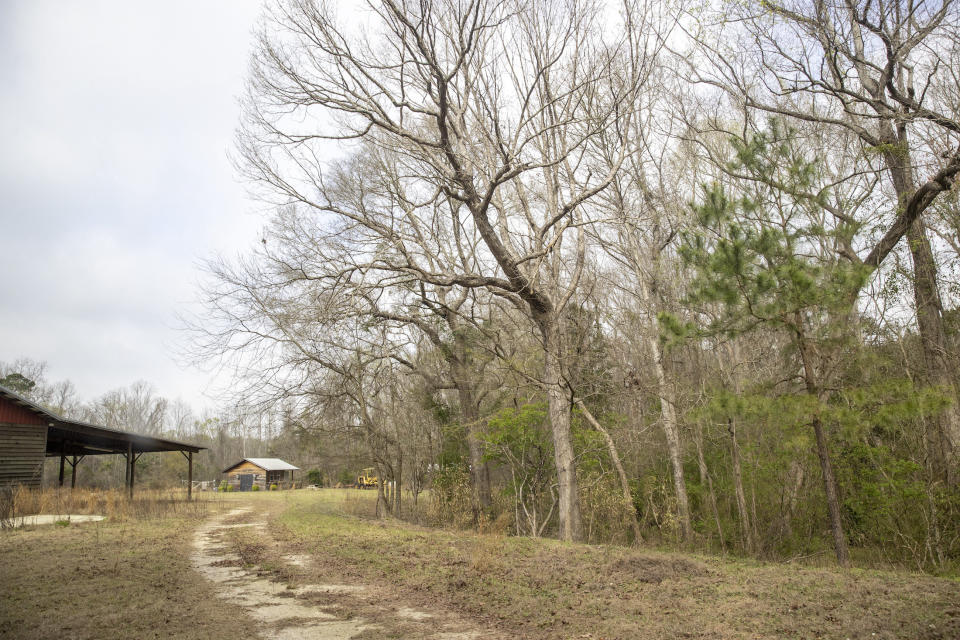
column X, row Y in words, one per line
column 367, row 478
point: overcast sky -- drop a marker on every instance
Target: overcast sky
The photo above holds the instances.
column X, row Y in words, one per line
column 116, row 118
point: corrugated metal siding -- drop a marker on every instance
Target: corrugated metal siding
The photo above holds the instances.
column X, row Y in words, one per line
column 14, row 413
column 22, row 449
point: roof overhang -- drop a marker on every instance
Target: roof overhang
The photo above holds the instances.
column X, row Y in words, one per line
column 73, row 437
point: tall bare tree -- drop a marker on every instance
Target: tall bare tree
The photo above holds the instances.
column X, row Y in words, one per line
column 492, row 106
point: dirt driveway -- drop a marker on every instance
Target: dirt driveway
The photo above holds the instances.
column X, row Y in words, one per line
column 285, row 611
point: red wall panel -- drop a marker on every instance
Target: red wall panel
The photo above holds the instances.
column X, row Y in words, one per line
column 17, row 414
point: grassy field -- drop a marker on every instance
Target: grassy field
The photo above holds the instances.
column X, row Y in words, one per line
column 130, row 578
column 126, row 577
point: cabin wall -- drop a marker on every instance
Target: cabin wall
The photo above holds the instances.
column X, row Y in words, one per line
column 22, row 451
column 261, row 477
column 234, row 473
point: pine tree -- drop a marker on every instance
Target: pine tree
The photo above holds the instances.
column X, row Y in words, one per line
column 763, row 255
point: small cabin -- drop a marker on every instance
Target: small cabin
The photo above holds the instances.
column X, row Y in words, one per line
column 260, row 472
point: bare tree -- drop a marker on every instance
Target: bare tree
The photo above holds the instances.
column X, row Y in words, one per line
column 491, row 106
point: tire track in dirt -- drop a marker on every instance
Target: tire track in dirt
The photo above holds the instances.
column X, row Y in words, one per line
column 308, row 612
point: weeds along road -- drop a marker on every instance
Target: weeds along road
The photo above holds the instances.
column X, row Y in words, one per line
column 389, row 570
column 305, row 563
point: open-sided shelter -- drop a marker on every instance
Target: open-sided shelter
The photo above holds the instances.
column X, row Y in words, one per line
column 261, row 472
column 29, row 433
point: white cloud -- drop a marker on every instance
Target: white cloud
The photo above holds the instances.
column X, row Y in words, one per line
column 114, row 180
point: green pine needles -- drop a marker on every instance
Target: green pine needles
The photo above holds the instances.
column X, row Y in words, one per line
column 767, row 256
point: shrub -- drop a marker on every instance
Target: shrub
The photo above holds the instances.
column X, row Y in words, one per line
column 346, row 477
column 452, row 496
column 273, row 487
column 255, row 487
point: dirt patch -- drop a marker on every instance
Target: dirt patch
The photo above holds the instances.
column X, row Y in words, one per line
column 250, row 571
column 46, row 519
column 654, row 570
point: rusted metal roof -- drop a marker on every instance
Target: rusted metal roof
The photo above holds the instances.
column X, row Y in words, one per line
column 74, row 437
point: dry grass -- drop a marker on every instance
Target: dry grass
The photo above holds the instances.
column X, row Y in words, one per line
column 125, row 577
column 544, row 589
column 129, row 577
column 114, row 503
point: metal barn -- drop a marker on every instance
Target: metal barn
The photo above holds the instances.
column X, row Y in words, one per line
column 29, row 434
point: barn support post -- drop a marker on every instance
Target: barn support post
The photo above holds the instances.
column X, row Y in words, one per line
column 73, row 473
column 127, row 457
column 133, row 472
column 189, row 456
column 63, row 459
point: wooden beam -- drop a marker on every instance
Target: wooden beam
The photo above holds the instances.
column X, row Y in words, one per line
column 133, row 471
column 190, row 476
column 63, row 459
column 73, row 473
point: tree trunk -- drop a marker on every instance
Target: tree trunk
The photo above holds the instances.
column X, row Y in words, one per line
column 749, row 542
column 943, row 431
column 833, row 500
column 621, row 474
column 397, row 484
column 382, row 504
column 668, row 412
column 668, row 418
column 706, row 479
column 558, row 407
column 479, row 470
column 823, row 452
column 796, row 476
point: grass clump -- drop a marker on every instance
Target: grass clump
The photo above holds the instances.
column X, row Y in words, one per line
column 546, row 589
column 120, row 578
column 115, row 504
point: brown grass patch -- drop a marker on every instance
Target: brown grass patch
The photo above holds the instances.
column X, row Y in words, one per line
column 544, row 589
column 115, row 504
column 121, row 578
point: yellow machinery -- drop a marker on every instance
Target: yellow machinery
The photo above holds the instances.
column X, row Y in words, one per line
column 367, row 479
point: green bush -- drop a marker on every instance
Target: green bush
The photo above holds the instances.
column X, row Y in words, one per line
column 346, row 477
column 255, row 487
column 273, row 487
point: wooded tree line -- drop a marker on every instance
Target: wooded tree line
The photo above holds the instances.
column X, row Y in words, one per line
column 227, row 434
column 648, row 270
